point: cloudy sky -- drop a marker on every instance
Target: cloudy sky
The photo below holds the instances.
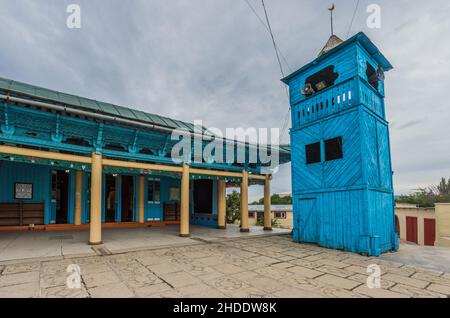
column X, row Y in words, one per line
column 213, row 60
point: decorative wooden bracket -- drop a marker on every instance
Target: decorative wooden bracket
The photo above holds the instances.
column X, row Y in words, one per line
column 57, row 136
column 134, row 148
column 6, row 128
column 98, row 143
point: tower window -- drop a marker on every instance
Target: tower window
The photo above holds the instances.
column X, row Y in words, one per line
column 333, row 149
column 372, row 77
column 322, row 79
column 312, row 153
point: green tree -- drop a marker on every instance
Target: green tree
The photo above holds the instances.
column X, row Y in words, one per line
column 427, row 197
column 233, row 207
column 276, row 199
column 260, row 220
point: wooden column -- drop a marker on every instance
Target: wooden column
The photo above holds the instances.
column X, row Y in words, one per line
column 141, row 210
column 221, row 204
column 78, row 196
column 184, row 209
column 267, row 205
column 244, row 202
column 96, row 200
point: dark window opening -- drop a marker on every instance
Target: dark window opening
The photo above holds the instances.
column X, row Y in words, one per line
column 111, row 186
column 77, row 142
column 115, row 147
column 60, row 195
column 312, row 153
column 333, row 149
column 322, row 79
column 203, row 196
column 154, row 191
column 146, row 151
column 372, row 76
column 280, row 215
column 127, row 198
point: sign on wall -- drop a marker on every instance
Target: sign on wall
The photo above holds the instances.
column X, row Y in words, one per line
column 23, row 191
column 174, row 194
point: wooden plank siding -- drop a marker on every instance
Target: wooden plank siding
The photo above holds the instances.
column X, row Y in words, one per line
column 348, row 201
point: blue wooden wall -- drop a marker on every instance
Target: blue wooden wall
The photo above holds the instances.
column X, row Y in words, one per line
column 39, row 176
column 346, row 203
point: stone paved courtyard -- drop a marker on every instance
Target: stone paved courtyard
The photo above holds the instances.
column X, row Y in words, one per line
column 271, row 266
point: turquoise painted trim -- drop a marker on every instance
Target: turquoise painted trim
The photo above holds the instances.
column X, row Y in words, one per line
column 47, row 144
column 103, row 197
column 215, row 185
column 191, row 197
column 135, row 199
column 28, row 132
column 119, row 200
column 85, row 200
column 48, row 204
column 146, row 204
column 71, row 207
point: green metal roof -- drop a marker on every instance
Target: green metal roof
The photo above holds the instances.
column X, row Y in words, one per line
column 91, row 105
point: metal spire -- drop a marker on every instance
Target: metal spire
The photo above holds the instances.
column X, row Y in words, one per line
column 331, row 9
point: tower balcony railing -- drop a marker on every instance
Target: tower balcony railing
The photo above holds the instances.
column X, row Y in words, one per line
column 329, row 101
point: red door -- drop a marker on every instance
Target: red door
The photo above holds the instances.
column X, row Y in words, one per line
column 429, row 231
column 411, row 229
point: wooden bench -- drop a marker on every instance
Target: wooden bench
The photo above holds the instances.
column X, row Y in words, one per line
column 21, row 213
column 171, row 212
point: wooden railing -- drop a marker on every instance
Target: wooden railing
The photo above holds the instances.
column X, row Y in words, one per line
column 347, row 94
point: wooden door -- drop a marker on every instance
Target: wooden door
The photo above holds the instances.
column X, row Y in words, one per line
column 127, row 198
column 308, row 226
column 203, row 196
column 429, row 231
column 411, row 229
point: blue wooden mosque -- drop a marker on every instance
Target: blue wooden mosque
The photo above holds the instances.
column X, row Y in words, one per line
column 341, row 161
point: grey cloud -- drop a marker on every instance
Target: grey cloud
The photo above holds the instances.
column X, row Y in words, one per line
column 409, row 124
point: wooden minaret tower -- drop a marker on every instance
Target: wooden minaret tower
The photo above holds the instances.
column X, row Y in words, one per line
column 341, row 161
